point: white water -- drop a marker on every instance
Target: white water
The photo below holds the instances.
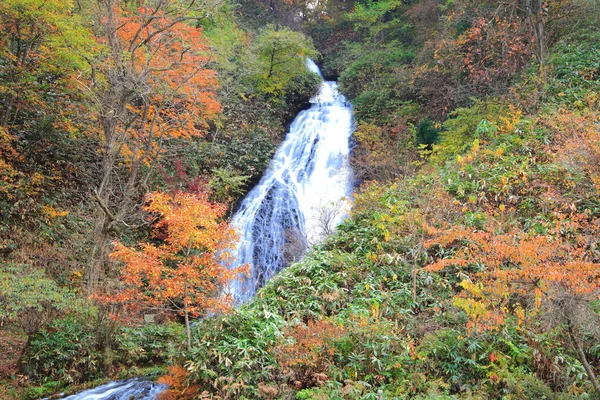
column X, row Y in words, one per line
column 133, row 389
column 304, row 192
column 302, row 195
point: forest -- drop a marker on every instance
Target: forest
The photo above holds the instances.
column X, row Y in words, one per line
column 469, row 264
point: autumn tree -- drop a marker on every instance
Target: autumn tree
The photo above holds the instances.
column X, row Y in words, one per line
column 537, row 18
column 41, row 43
column 151, row 84
column 42, row 46
column 495, row 50
column 540, row 16
column 526, row 275
column 186, row 272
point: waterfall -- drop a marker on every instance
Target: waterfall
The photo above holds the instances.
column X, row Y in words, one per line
column 303, row 193
column 301, row 197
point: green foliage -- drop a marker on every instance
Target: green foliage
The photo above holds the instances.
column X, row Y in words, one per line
column 371, row 105
column 426, row 133
column 227, row 185
column 281, row 56
column 67, row 350
column 150, row 344
column 381, row 19
column 575, row 66
column 29, row 298
column 298, row 90
column 374, row 70
column 465, row 125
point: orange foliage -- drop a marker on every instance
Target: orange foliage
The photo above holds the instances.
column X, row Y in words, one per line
column 311, row 353
column 185, row 272
column 577, row 143
column 495, row 50
column 522, row 270
column 163, row 58
column 171, row 55
column 179, row 387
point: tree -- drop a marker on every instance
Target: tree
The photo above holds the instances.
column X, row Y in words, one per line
column 42, row 44
column 495, row 51
column 539, row 15
column 151, row 84
column 527, row 275
column 282, row 55
column 185, row 273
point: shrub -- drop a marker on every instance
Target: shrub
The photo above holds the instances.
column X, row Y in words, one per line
column 150, row 344
column 65, row 350
column 372, row 68
column 426, row 133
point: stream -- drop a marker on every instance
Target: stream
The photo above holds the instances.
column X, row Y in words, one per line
column 132, row 389
column 301, row 198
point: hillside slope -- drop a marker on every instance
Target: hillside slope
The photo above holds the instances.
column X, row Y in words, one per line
column 476, row 277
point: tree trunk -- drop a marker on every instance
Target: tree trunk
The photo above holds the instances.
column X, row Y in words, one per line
column 582, row 358
column 188, row 331
column 535, row 10
column 414, row 283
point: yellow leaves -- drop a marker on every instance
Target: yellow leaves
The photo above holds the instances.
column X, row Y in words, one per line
column 474, row 309
column 507, row 122
column 51, row 212
column 520, row 314
column 375, row 315
column 472, row 288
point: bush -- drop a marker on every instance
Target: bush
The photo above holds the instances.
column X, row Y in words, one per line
column 299, row 90
column 374, row 105
column 64, row 351
column 426, row 133
column 370, row 70
column 575, row 79
column 67, row 350
column 150, row 344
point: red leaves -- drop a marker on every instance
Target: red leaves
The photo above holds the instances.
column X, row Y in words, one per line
column 495, row 49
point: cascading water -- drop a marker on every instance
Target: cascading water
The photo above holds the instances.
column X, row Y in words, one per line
column 125, row 390
column 302, row 195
